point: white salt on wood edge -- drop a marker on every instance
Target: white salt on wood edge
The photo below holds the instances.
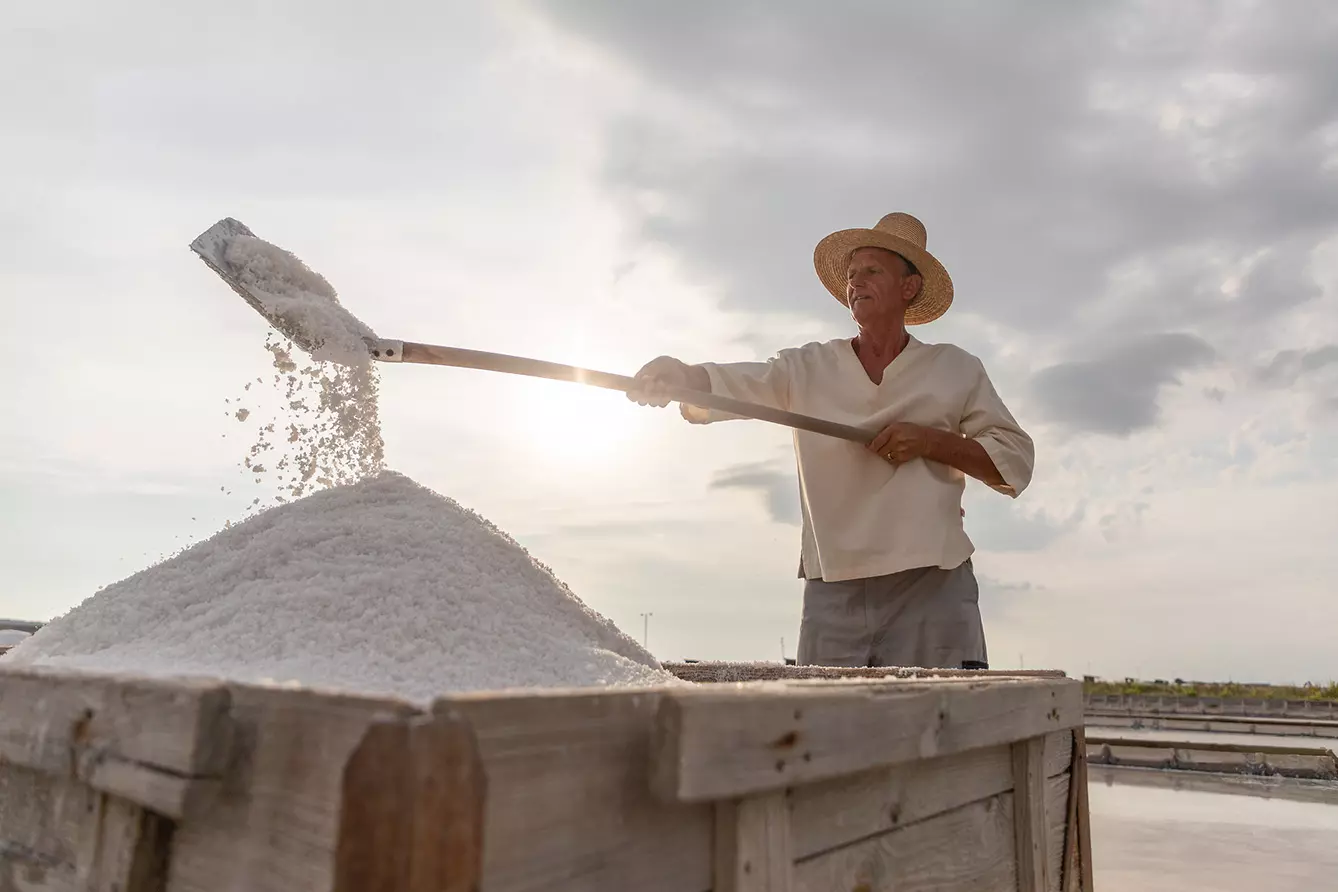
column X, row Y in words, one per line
column 382, row 587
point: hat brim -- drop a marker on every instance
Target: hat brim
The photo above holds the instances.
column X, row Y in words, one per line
column 833, row 252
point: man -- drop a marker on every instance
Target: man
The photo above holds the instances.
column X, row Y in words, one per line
column 885, row 558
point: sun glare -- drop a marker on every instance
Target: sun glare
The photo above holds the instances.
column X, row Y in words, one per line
column 580, row 424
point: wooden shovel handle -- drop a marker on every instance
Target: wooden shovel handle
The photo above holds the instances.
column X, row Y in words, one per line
column 515, row 365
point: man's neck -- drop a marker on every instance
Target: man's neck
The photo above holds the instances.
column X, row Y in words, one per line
column 879, row 348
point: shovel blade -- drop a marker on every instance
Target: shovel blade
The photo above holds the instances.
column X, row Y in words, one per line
column 212, row 247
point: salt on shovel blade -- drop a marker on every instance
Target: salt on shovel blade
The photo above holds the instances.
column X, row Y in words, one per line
column 296, row 301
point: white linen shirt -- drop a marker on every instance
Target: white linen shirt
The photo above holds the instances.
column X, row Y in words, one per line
column 863, row 516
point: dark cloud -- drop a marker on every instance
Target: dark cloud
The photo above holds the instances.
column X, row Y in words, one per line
column 1289, row 366
column 1049, row 148
column 996, row 523
column 1117, row 392
column 779, row 489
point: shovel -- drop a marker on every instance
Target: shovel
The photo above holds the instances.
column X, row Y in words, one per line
column 212, row 244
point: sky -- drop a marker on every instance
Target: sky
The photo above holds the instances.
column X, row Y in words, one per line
column 1137, row 202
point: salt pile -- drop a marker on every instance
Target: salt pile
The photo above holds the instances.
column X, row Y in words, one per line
column 382, row 586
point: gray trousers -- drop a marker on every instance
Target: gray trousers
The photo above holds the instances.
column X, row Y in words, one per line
column 926, row 617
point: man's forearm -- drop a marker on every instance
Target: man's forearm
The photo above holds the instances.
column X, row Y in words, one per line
column 699, row 379
column 962, row 453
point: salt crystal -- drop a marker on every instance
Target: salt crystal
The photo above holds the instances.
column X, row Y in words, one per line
column 289, row 290
column 340, row 441
column 382, row 587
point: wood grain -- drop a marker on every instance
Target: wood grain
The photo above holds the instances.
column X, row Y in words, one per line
column 273, row 825
column 1084, row 810
column 718, row 743
column 569, row 802
column 449, row 790
column 147, row 741
column 968, row 849
column 1029, row 818
column 1069, row 878
column 57, row 833
column 830, row 814
column 753, row 852
column 372, row 850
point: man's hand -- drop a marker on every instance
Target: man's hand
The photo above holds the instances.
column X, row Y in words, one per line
column 901, row 442
column 664, row 372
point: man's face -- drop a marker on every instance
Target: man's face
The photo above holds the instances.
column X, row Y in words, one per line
column 879, row 286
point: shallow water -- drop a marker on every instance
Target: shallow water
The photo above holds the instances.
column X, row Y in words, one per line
column 1150, row 840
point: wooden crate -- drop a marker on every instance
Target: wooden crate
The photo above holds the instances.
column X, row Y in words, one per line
column 131, row 784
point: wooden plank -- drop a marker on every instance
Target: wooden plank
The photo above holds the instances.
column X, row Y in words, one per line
column 1084, row 809
column 166, row 794
column 1226, row 723
column 720, row 743
column 43, row 820
column 1298, row 761
column 752, row 852
column 273, row 825
column 969, row 849
column 46, row 716
column 1068, row 873
column 143, row 740
column 1029, row 818
column 128, row 851
column 372, row 852
column 830, row 814
column 569, row 804
column 450, row 789
column 56, row 833
column 412, row 811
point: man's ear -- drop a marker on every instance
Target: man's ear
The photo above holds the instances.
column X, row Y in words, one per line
column 910, row 294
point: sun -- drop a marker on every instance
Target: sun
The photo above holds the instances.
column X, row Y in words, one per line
column 578, row 424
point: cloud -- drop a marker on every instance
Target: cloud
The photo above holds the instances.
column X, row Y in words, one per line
column 996, row 524
column 1117, row 393
column 1119, row 133
column 1289, row 366
column 779, row 490
column 1123, row 522
column 1002, row 601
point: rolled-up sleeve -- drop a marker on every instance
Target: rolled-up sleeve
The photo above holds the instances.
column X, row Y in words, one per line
column 987, row 420
column 764, row 383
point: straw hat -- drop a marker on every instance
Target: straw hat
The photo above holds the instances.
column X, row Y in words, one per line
column 897, row 232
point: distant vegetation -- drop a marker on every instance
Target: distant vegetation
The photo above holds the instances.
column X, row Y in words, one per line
column 1182, row 688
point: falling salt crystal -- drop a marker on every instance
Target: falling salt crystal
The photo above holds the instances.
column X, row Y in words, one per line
column 331, row 440
column 243, row 414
